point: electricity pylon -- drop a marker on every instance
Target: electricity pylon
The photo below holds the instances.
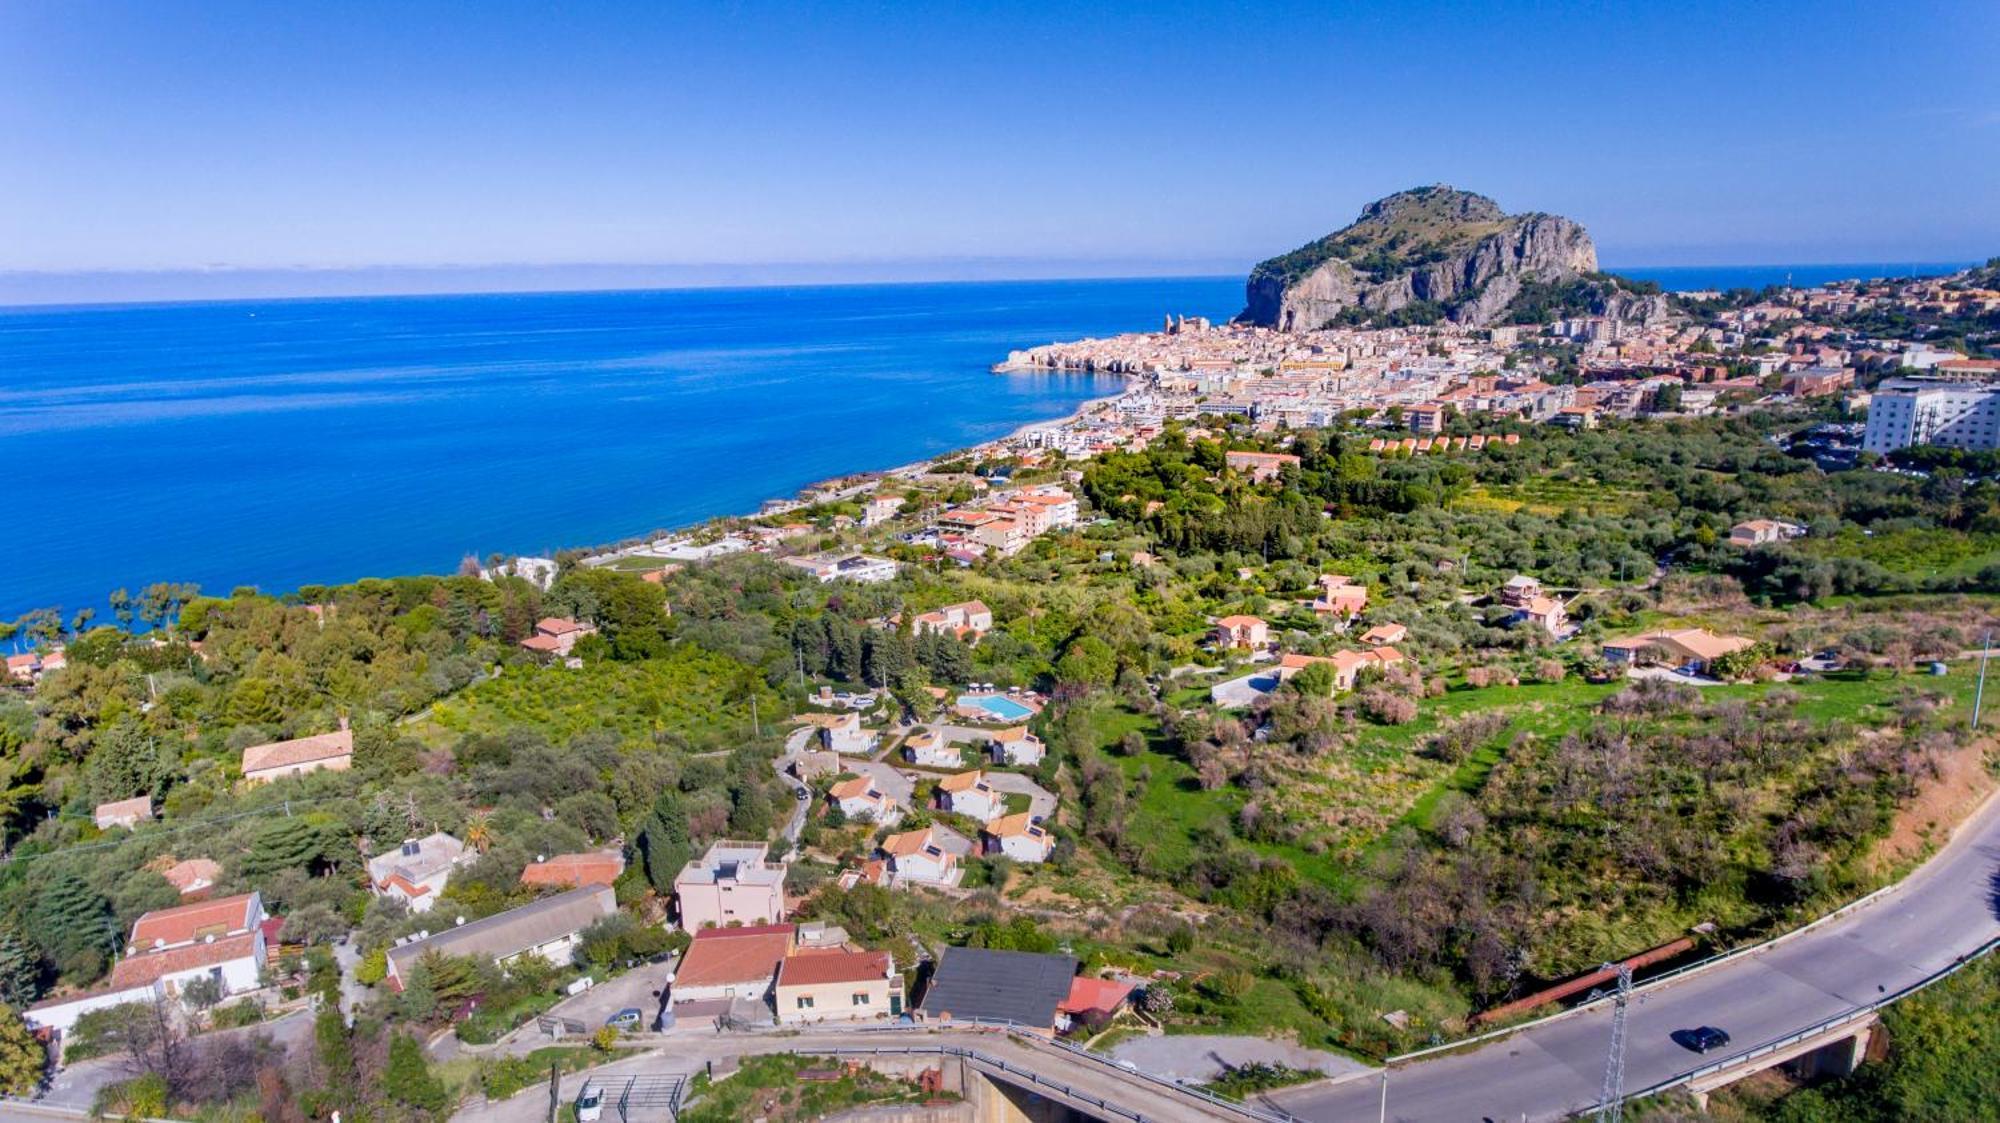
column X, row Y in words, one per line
column 1611, row 1099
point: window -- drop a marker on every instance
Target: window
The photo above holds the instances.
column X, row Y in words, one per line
column 805, row 1002
column 861, row 998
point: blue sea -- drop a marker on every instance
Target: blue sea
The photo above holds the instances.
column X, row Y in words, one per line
column 289, row 442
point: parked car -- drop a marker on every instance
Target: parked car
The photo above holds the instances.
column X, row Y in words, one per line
column 589, row 1103
column 629, row 1019
column 1700, row 1039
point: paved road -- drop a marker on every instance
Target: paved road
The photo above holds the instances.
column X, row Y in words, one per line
column 1947, row 908
column 794, row 745
column 1197, row 1056
column 1041, row 801
column 686, row 1057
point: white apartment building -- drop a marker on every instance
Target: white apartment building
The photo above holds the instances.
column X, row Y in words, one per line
column 1913, row 411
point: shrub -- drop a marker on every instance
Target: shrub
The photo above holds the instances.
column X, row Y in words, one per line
column 1388, row 709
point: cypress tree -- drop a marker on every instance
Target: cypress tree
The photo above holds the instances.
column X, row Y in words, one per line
column 663, row 842
column 20, row 970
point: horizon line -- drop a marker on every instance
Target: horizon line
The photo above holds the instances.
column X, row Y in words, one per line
column 540, row 286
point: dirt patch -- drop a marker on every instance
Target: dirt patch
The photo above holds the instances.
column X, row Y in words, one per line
column 1964, row 780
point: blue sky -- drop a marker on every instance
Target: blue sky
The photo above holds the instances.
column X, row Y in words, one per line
column 894, row 136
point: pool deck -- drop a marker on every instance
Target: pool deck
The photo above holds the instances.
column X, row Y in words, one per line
column 970, row 707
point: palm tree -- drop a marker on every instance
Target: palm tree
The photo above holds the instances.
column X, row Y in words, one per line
column 479, row 830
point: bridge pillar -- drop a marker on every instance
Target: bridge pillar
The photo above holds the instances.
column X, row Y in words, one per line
column 1836, row 1058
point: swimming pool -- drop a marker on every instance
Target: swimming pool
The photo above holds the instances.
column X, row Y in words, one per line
column 1001, row 707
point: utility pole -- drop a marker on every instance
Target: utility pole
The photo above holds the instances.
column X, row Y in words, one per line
column 1979, row 692
column 1611, row 1099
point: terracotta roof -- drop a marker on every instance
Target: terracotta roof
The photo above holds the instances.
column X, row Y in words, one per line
column 597, row 867
column 907, row 843
column 557, row 625
column 813, row 966
column 1238, row 621
column 1009, row 826
column 964, row 781
column 139, row 806
column 148, row 967
column 187, row 923
column 719, row 956
column 858, row 788
column 540, row 642
column 1087, row 994
column 186, row 876
column 299, row 750
column 1011, row 733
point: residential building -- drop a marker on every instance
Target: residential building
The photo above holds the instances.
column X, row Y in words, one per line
column 1759, row 532
column 224, row 940
column 1933, row 411
column 722, row 964
column 1019, row 837
column 417, row 871
column 539, row 572
column 331, row 752
column 1093, row 1001
column 1241, row 631
column 880, row 509
column 1693, row 648
column 928, row 748
column 1016, row 746
column 967, row 620
column 843, row 733
column 1546, row 613
column 1425, row 419
column 968, row 793
column 733, row 883
column 126, row 813
column 837, row 985
column 921, row 856
column 1519, row 590
column 557, row 636
column 1384, row 635
column 863, row 568
column 861, row 798
column 1021, row 988
column 568, row 871
column 193, row 877
column 1261, row 467
column 547, row 928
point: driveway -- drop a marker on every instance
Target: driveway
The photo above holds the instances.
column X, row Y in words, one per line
column 1041, row 801
column 886, row 777
column 1240, row 693
column 1204, row 1056
column 794, row 745
column 638, row 988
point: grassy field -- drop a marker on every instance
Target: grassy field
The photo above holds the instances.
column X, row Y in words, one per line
column 1552, row 495
column 1914, row 553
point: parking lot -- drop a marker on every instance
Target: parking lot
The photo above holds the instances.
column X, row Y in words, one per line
column 635, row 988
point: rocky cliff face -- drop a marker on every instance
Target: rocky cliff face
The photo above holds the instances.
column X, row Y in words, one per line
column 1426, row 254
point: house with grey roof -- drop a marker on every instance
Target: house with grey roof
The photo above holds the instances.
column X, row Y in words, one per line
column 548, row 928
column 1021, row 987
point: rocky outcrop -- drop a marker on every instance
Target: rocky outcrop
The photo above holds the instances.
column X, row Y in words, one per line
column 1421, row 255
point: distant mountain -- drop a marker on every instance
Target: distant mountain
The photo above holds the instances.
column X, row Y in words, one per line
column 1437, row 253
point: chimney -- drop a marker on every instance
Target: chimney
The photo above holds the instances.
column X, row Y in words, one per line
column 343, row 723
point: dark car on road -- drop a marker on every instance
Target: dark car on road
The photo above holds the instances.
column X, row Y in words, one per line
column 1700, row 1039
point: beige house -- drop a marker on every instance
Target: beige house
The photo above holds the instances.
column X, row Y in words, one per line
column 1241, row 631
column 123, row 813
column 1694, row 648
column 1546, row 613
column 330, row 752
column 837, row 985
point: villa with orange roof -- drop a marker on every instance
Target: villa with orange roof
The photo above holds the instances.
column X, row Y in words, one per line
column 1019, row 837
column 920, row 856
column 860, row 798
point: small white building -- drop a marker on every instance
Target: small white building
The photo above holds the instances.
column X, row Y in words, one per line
column 929, row 749
column 417, row 871
column 968, row 793
column 1019, row 837
column 861, row 798
column 1018, row 747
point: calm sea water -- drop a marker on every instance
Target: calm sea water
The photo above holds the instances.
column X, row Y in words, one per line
column 280, row 443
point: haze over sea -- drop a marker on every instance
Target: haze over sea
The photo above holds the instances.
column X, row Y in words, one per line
column 287, row 442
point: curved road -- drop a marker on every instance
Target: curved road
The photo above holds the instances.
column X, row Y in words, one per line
column 1946, row 909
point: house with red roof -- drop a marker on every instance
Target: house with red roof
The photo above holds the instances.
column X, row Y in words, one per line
column 837, row 985
column 223, row 940
column 556, row 636
column 592, row 867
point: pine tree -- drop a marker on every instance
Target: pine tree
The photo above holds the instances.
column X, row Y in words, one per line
column 290, row 843
column 68, row 917
column 408, row 1079
column 20, row 969
column 663, row 842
